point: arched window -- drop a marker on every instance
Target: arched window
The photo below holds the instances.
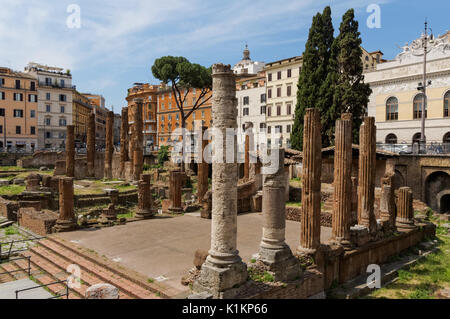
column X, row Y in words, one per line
column 392, row 109
column 416, row 138
column 391, row 139
column 418, row 101
column 446, row 103
column 447, row 138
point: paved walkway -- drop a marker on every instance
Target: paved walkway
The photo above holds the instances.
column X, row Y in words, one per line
column 8, row 290
column 165, row 247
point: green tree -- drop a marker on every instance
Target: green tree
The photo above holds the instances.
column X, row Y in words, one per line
column 351, row 94
column 312, row 91
column 163, row 154
column 182, row 76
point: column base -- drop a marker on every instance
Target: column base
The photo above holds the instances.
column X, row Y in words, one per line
column 305, row 252
column 144, row 214
column 62, row 226
column 344, row 243
column 176, row 210
column 404, row 225
column 281, row 263
column 221, row 281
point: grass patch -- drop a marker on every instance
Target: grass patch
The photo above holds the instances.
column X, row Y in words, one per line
column 11, row 230
column 260, row 276
column 150, row 280
column 127, row 215
column 123, row 188
column 294, row 204
column 11, row 190
column 12, row 168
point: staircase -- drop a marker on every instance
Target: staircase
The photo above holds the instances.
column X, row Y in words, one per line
column 49, row 262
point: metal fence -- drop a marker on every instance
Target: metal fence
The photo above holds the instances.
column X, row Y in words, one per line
column 429, row 148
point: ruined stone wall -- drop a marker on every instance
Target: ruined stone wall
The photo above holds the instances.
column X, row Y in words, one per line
column 295, row 214
column 8, row 209
column 39, row 222
column 42, row 158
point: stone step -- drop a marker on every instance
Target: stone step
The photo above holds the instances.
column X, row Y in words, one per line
column 15, row 272
column 42, row 269
column 130, row 276
column 52, row 263
column 5, row 277
column 63, row 258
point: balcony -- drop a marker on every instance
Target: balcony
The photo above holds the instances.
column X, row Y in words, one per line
column 56, row 85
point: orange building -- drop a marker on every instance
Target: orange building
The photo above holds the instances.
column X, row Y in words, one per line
column 18, row 110
column 149, row 94
column 98, row 105
column 169, row 116
column 81, row 108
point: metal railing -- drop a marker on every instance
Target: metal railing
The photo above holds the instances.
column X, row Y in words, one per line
column 11, row 251
column 66, row 294
column 430, row 148
column 28, row 269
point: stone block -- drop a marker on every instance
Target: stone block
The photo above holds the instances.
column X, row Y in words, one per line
column 200, row 258
column 102, row 291
column 39, row 222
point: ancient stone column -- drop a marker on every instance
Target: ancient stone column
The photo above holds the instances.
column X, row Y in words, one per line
column 70, row 151
column 109, row 146
column 66, row 220
column 387, row 201
column 354, row 209
column 145, row 200
column 138, row 140
column 177, row 178
column 123, row 141
column 405, row 211
column 312, row 166
column 223, row 269
column 274, row 254
column 248, row 141
column 91, row 146
column 203, row 169
column 366, row 178
column 342, row 199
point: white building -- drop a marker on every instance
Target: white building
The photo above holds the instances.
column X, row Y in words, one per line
column 396, row 102
column 247, row 67
column 54, row 104
column 281, row 82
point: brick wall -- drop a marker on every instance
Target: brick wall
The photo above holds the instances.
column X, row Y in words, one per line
column 39, row 222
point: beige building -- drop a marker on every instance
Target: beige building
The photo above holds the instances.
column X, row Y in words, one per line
column 54, row 104
column 281, row 82
column 396, row 102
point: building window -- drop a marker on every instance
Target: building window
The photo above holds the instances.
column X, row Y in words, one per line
column 33, row 86
column 32, row 98
column 279, row 75
column 246, row 100
column 47, row 121
column 18, row 129
column 278, row 129
column 262, row 127
column 47, row 108
column 392, row 109
column 62, row 122
column 18, row 113
column 48, row 81
column 446, row 103
column 446, row 139
column 63, row 84
column 269, row 129
column 245, row 111
column 18, row 97
column 48, row 134
column 1, row 129
column 62, row 98
column 289, row 90
column 269, row 111
column 32, row 113
column 278, row 110
column 391, row 139
column 263, row 98
column 47, row 96
column 203, row 114
column 269, row 93
column 17, row 84
column 33, row 130
column 288, row 109
column 263, row 110
column 418, row 101
column 62, row 109
column 269, row 76
column 289, row 73
column 279, row 92
column 2, row 95
column 2, row 112
column 288, row 128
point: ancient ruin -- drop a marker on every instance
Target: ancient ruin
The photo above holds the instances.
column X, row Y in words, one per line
column 124, row 141
column 70, row 151
column 109, row 145
column 91, row 146
column 66, row 220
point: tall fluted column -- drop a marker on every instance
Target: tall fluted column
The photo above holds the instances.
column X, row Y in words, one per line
column 138, row 152
column 123, row 141
column 66, row 220
column 248, row 141
column 312, row 166
column 223, row 268
column 70, row 151
column 274, row 254
column 405, row 211
column 366, row 178
column 342, row 182
column 109, row 146
column 91, row 146
column 203, row 168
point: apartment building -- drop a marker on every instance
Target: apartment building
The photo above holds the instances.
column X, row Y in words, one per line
column 54, row 104
column 98, row 106
column 281, row 82
column 149, row 94
column 18, row 111
column 396, row 103
column 81, row 109
column 169, row 116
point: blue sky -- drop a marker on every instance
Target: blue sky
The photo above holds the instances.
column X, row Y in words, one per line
column 119, row 40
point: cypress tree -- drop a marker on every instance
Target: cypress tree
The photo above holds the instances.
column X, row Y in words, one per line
column 311, row 88
column 351, row 94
